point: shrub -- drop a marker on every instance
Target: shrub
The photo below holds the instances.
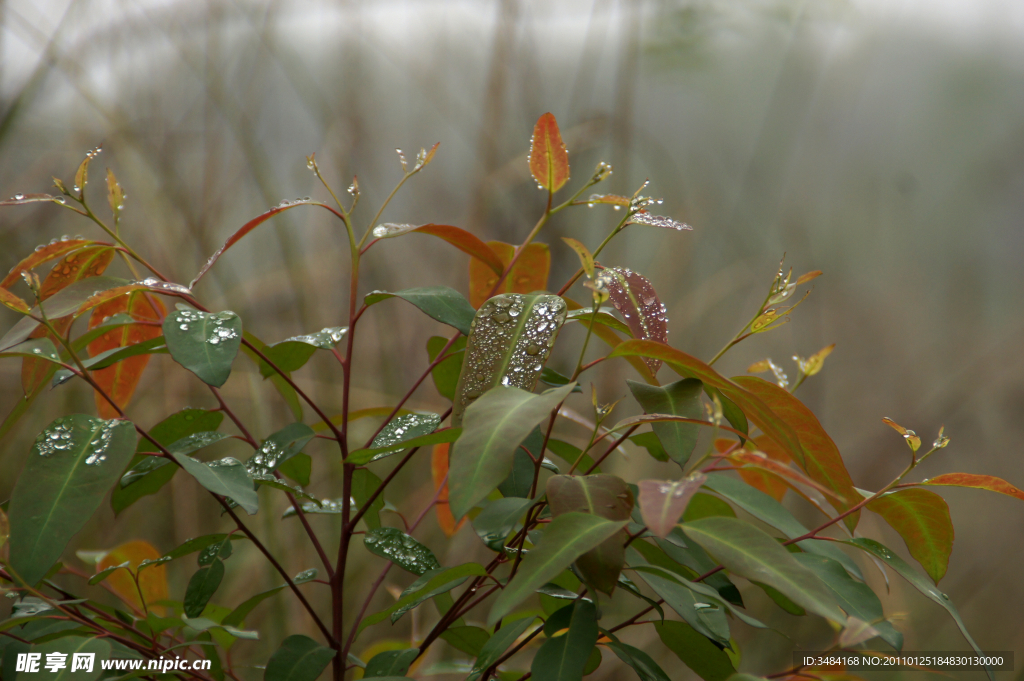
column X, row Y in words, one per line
column 562, row 536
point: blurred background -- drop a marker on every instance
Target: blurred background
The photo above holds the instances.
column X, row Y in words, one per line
column 880, row 142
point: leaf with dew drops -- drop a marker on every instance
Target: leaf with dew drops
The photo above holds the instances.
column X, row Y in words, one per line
column 401, row 549
column 82, row 174
column 120, row 380
column 813, row 364
column 22, row 199
column 510, row 339
column 45, row 253
column 236, row 617
column 635, row 297
column 922, row 519
column 645, row 218
column 205, row 343
column 13, row 302
column 549, row 160
column 529, row 274
column 72, row 464
column 662, row 503
column 402, row 428
column 115, row 196
column 603, row 329
column 291, row 354
column 913, row 441
column 277, row 449
column 225, row 477
column 460, row 238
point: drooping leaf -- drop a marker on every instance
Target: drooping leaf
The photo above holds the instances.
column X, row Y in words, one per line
column 565, row 539
column 152, row 582
column 291, row 354
column 635, row 297
column 663, row 502
column 549, row 161
column 444, row 304
column 363, row 456
column 364, row 484
column 563, row 657
column 766, row 509
column 175, row 427
column 586, row 259
column 226, row 477
column 120, row 380
column 460, row 238
column 299, row 658
column 72, row 464
column 498, row 519
column 989, row 482
column 698, row 653
column 747, row 551
column 922, row 519
column 682, row 398
column 643, row 217
column 856, row 598
column 821, row 459
column 61, row 304
column 401, row 549
column 446, row 373
column 917, row 581
column 205, row 343
column 497, row 644
column 201, row 587
column 493, row 428
column 642, row 663
column 606, row 496
column 438, row 472
column 754, row 408
column 529, row 274
column 511, row 337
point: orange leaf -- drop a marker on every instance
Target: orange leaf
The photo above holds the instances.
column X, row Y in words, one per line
column 12, row 301
column 44, row 254
column 820, row 458
column 529, row 274
column 120, row 380
column 770, row 484
column 439, row 469
column 989, row 482
column 152, row 582
column 922, row 519
column 760, row 460
column 456, row 236
column 90, row 261
column 549, row 161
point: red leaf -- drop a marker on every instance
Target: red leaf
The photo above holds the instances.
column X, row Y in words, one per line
column 529, row 274
column 120, row 380
column 759, row 459
column 549, row 161
column 819, row 456
column 989, row 482
column 922, row 519
column 438, row 470
column 685, row 365
column 634, row 296
column 44, row 254
column 89, row 261
column 460, row 238
column 662, row 502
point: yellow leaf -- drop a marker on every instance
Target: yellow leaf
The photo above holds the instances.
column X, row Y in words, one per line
column 152, row 582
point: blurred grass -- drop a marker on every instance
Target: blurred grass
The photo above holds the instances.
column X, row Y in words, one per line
column 882, row 145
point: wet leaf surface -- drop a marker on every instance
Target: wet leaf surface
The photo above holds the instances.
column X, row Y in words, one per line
column 549, row 161
column 922, row 519
column 635, row 298
column 205, row 343
column 401, row 549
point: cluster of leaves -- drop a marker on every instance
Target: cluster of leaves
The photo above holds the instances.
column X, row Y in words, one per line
column 563, row 536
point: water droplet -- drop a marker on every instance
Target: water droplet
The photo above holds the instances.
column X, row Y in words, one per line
column 19, row 197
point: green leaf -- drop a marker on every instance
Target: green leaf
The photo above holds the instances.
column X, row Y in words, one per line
column 652, row 444
column 226, row 477
column 297, row 492
column 364, row 456
column 278, row 448
column 584, row 314
column 509, row 342
column 446, row 373
column 682, row 398
column 390, row 663
column 405, row 427
column 747, row 551
column 856, row 598
column 642, row 663
column 237, row 616
column 698, row 653
column 284, row 388
column 917, row 581
column 72, row 464
column 706, row 505
column 497, row 644
column 291, row 354
column 63, row 303
column 690, row 554
column 364, row 484
column 38, row 348
column 201, row 587
column 494, row 426
column 200, row 543
column 469, row 640
column 205, row 343
column 563, row 658
column 298, row 468
column 431, row 583
column 299, row 658
column 606, row 496
column 922, row 519
column 766, row 509
column 565, row 539
column 733, row 414
column 444, row 304
column 69, row 646
column 497, row 520
column 400, row 549
column 571, row 454
column 103, row 574
column 781, row 600
column 820, row 458
column 685, row 365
